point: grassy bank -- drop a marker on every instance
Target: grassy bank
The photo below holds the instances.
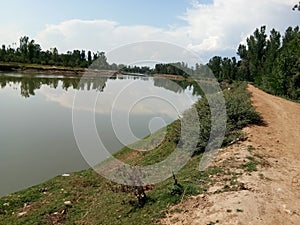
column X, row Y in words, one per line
column 87, row 198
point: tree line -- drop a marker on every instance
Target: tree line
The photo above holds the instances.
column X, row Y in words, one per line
column 28, row 51
column 270, row 62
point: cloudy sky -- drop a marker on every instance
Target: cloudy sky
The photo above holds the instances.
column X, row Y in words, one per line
column 206, row 27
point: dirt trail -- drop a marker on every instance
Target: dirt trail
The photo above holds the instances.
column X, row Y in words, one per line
column 271, row 194
column 283, row 124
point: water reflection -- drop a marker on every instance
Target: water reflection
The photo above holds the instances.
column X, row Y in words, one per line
column 30, row 83
column 36, row 134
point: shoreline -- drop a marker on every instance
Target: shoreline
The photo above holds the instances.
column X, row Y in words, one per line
column 75, row 71
column 54, row 70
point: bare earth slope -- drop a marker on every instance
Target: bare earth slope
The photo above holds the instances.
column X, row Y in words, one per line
column 271, row 194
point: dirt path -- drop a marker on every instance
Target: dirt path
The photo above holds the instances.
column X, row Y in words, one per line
column 270, row 195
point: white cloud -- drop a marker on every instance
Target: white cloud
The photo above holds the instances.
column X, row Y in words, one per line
column 76, row 34
column 10, row 36
column 210, row 29
column 224, row 24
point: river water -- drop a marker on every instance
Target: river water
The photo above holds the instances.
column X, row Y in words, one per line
column 36, row 130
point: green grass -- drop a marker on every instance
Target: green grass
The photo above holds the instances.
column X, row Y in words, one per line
column 251, row 165
column 96, row 200
column 250, row 148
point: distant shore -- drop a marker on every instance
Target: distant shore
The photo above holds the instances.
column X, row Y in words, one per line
column 71, row 71
column 53, row 70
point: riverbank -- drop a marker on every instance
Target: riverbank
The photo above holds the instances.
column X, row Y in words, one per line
column 54, row 70
column 269, row 192
column 74, row 71
column 87, row 198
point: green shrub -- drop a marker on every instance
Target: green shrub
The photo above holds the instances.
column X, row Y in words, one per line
column 239, row 110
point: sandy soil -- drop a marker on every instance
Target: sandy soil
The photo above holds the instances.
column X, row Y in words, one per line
column 270, row 195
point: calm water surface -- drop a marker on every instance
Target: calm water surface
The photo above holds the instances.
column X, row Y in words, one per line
column 36, row 132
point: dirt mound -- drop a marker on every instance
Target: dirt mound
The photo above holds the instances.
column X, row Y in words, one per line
column 270, row 195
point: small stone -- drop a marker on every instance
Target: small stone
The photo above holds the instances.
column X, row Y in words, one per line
column 21, row 214
column 68, row 203
column 6, row 204
column 65, row 175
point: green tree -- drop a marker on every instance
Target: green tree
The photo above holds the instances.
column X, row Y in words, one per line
column 287, row 66
column 23, row 49
column 2, row 53
column 215, row 65
column 243, row 71
column 34, row 51
column 89, row 57
column 100, row 61
column 256, row 53
column 272, row 51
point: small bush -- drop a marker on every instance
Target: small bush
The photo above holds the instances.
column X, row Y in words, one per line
column 239, row 110
column 250, row 166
